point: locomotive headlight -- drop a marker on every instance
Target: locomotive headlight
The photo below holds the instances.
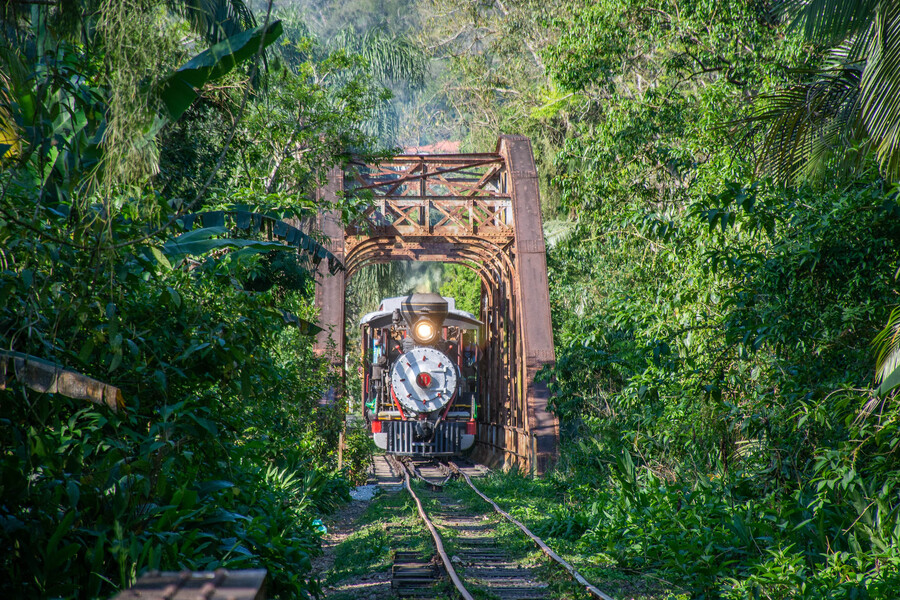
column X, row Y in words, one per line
column 424, row 331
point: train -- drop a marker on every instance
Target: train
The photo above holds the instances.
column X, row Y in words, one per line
column 420, row 375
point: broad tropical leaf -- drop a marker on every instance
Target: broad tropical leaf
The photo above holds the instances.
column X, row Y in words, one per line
column 202, row 241
column 179, row 90
column 253, row 222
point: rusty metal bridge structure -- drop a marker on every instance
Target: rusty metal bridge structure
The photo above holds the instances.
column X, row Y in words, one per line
column 482, row 211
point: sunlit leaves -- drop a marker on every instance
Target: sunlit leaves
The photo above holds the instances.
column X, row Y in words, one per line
column 205, row 330
column 880, row 89
column 717, row 327
column 806, row 125
column 829, row 21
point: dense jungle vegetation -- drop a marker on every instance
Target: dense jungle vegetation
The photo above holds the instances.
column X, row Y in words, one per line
column 720, row 192
column 720, row 184
column 160, row 162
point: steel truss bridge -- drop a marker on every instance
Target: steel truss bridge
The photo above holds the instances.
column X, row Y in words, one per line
column 482, row 211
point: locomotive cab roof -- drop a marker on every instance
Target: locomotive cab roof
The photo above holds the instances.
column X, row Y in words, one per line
column 383, row 316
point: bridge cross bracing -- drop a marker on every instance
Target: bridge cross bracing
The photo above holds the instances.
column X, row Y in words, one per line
column 481, row 211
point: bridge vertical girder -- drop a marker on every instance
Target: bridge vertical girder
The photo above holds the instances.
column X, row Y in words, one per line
column 532, row 295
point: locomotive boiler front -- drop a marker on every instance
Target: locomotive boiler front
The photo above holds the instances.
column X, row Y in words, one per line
column 424, row 380
column 419, row 393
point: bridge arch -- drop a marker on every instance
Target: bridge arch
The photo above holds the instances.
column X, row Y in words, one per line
column 482, row 211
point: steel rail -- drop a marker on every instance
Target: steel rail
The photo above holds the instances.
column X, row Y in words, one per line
column 438, row 543
column 547, row 550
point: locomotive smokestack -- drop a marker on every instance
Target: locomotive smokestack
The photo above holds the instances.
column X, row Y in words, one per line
column 430, row 306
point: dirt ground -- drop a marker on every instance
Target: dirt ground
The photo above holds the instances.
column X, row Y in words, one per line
column 371, row 586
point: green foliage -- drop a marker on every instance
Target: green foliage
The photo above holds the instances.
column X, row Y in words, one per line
column 850, row 107
column 395, row 62
column 359, row 451
column 56, row 114
column 463, row 285
column 723, row 331
column 727, row 541
column 222, row 456
column 245, row 220
column 212, row 396
column 713, row 379
column 179, row 90
column 215, row 19
column 887, row 344
column 317, row 113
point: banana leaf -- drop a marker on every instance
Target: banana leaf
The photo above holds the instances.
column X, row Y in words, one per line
column 253, row 222
column 203, row 240
column 891, row 381
column 179, row 89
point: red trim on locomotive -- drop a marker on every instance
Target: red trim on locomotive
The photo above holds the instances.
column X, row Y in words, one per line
column 397, row 404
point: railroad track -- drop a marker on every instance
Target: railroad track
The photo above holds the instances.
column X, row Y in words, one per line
column 479, row 565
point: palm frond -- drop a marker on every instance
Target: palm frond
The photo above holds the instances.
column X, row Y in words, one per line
column 392, row 58
column 807, row 125
column 880, row 90
column 828, row 22
column 850, row 107
column 852, row 50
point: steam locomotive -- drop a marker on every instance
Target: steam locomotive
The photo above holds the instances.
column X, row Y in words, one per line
column 420, row 363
